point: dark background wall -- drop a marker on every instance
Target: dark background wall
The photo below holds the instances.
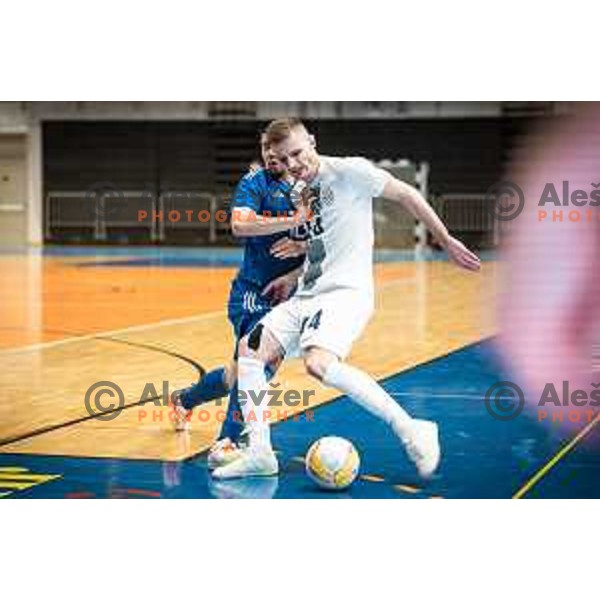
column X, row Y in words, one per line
column 466, row 155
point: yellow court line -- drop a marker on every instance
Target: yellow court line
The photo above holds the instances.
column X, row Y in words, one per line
column 372, row 478
column 17, row 485
column 26, row 477
column 409, row 489
column 555, row 459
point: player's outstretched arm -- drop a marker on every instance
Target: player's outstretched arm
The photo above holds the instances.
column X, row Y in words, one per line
column 416, row 204
column 246, row 223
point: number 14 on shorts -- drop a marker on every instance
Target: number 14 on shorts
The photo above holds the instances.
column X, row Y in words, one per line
column 311, row 322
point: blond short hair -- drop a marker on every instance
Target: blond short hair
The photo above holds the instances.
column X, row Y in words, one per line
column 279, row 130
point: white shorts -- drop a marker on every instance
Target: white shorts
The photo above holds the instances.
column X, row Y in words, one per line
column 332, row 321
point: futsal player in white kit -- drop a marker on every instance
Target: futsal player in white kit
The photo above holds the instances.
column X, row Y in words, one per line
column 334, row 300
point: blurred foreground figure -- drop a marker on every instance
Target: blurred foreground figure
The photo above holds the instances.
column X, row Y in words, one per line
column 550, row 302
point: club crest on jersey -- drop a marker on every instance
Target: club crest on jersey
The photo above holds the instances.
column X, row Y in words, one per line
column 326, row 196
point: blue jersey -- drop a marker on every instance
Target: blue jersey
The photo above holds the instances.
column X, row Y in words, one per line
column 260, row 192
column 263, row 193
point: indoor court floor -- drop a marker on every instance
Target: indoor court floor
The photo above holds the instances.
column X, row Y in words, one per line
column 150, row 320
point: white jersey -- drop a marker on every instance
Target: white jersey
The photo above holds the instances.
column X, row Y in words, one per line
column 340, row 251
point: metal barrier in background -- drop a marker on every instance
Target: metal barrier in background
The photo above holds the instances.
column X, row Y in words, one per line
column 467, row 213
column 98, row 217
column 91, row 215
column 200, row 217
column 192, row 211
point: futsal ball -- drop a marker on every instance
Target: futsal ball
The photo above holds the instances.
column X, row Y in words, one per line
column 332, row 463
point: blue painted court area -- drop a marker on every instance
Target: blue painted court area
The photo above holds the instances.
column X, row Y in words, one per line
column 482, row 457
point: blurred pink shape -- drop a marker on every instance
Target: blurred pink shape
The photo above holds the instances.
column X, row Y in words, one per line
column 549, row 307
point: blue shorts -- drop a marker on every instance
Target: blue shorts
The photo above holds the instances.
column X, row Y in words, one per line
column 246, row 308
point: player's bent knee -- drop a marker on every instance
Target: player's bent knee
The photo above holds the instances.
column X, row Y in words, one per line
column 313, row 368
column 316, row 363
column 260, row 344
column 245, row 350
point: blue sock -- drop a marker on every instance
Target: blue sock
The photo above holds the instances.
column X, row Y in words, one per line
column 234, row 421
column 269, row 372
column 211, row 387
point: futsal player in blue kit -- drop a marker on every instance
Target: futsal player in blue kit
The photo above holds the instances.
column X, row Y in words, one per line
column 268, row 216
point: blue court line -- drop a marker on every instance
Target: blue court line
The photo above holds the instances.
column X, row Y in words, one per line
column 482, row 457
column 185, row 262
column 192, row 256
column 227, row 257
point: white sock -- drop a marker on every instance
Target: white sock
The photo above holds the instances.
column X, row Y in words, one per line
column 369, row 394
column 251, row 382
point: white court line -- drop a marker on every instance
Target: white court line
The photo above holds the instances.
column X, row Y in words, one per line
column 145, row 327
column 428, row 395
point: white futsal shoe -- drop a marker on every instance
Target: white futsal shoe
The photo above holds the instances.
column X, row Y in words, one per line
column 253, row 461
column 222, row 453
column 178, row 415
column 422, row 445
